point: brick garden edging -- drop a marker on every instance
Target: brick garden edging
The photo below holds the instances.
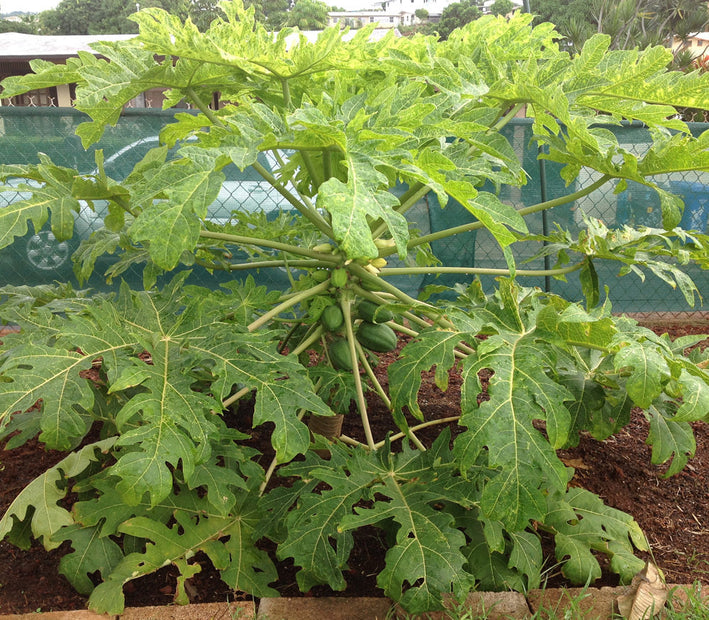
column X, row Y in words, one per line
column 590, row 602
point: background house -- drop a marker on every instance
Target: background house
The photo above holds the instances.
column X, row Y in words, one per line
column 17, row 49
column 696, row 43
column 384, row 19
column 396, row 13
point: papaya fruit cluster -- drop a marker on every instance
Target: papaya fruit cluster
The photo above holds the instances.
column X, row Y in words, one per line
column 370, row 330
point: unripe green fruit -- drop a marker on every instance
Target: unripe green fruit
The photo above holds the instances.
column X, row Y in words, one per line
column 374, row 313
column 321, row 275
column 339, row 277
column 380, row 338
column 339, row 352
column 332, row 318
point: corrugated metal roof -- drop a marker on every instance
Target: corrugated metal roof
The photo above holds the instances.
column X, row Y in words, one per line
column 15, row 45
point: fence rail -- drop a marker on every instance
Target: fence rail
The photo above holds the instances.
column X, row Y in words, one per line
column 38, row 258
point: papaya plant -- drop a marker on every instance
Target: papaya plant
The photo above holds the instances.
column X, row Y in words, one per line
column 140, row 388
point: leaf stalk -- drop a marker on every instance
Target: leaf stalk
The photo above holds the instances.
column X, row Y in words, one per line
column 346, row 306
column 288, row 303
column 549, row 204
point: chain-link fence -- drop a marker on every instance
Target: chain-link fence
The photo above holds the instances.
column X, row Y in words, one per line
column 637, row 206
column 39, row 258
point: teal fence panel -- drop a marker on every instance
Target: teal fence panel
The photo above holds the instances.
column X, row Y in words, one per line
column 637, row 206
column 38, row 258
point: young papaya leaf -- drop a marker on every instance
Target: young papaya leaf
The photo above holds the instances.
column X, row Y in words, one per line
column 281, row 383
column 582, row 524
column 243, row 566
column 588, row 408
column 335, row 387
column 427, row 555
column 579, row 564
column 275, row 506
column 221, row 484
column 248, row 568
column 314, row 539
column 100, row 243
column 491, row 568
column 39, row 499
column 670, row 439
column 431, row 348
column 241, row 301
column 520, row 391
column 91, row 553
column 527, row 557
column 646, row 368
column 695, row 395
column 350, row 204
column 570, row 325
column 107, row 510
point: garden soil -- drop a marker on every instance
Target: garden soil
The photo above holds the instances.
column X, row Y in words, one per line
column 674, row 513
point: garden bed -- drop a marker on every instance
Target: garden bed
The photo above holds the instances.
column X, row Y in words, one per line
column 673, row 513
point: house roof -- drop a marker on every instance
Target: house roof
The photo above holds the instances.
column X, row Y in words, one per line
column 19, row 46
column 15, row 46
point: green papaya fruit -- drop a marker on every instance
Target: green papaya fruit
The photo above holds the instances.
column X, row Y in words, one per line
column 339, row 352
column 377, row 337
column 339, row 277
column 374, row 313
column 332, row 318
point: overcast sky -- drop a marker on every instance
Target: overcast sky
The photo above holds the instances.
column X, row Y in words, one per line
column 29, row 6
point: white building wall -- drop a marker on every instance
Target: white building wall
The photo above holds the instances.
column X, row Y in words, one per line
column 384, row 19
column 434, row 7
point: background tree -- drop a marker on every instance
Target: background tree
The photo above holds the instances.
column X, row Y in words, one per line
column 573, row 19
column 640, row 23
column 456, row 15
column 272, row 13
column 71, row 17
column 111, row 16
column 502, row 7
column 203, row 12
column 630, row 23
column 28, row 25
column 308, row 15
